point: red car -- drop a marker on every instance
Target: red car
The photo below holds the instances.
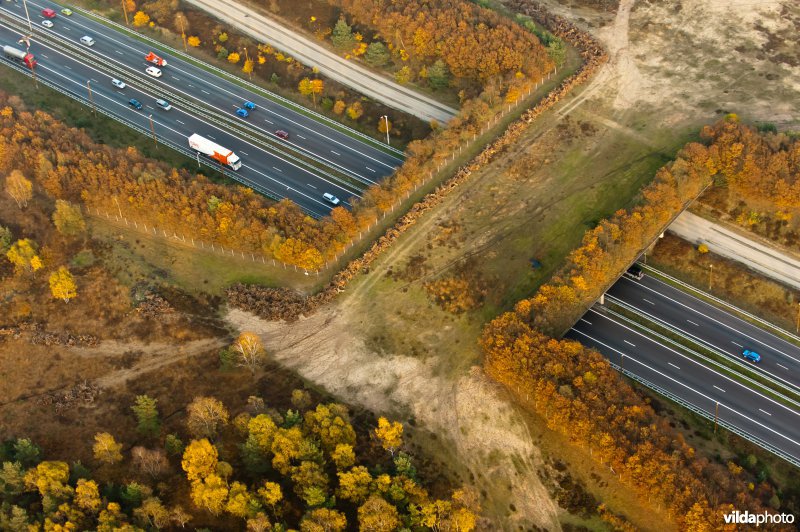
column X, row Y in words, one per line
column 48, row 13
column 282, row 134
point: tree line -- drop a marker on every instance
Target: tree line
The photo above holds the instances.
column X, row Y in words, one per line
column 306, row 468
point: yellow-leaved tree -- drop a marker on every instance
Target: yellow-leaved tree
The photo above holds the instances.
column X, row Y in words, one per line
column 23, row 256
column 62, row 285
column 193, row 40
column 141, row 19
column 19, row 188
column 199, row 459
column 106, row 449
column 250, row 351
column 390, row 434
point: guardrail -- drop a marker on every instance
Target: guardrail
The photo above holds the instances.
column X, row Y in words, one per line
column 211, row 113
column 699, row 411
column 722, row 302
column 699, row 355
column 252, row 86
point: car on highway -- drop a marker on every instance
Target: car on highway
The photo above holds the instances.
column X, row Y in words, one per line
column 250, row 106
column 66, row 12
column 752, row 356
column 48, row 13
column 47, row 23
column 118, row 83
column 330, row 198
column 153, row 71
column 282, row 134
column 88, row 41
column 164, row 104
column 242, row 112
column 634, row 272
column 136, row 104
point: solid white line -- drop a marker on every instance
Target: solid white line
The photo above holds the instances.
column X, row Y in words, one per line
column 629, row 343
column 673, row 365
column 767, row 413
column 693, row 323
column 782, row 366
column 718, row 388
column 734, row 343
column 648, row 301
column 587, row 321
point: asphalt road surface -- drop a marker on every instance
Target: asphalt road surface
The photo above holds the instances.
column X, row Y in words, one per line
column 348, row 73
column 263, row 166
column 775, row 425
column 711, row 326
column 735, row 246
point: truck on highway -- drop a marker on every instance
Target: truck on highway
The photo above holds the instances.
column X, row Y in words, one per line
column 153, row 58
column 215, row 151
column 19, row 55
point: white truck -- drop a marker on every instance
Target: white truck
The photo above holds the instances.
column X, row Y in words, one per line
column 215, row 151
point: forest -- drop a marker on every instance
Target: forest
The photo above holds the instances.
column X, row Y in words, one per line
column 305, row 468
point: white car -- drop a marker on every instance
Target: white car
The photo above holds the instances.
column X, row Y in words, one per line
column 118, row 84
column 88, row 41
column 47, row 23
column 153, row 71
column 164, row 104
column 330, row 198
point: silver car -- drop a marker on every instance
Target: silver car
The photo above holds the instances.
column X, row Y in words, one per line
column 118, row 84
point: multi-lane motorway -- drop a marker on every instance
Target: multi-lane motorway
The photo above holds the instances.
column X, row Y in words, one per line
column 774, row 424
column 317, row 158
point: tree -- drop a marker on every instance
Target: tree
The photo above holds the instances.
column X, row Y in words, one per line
column 438, row 75
column 87, row 495
column 271, row 494
column 5, row 239
column 151, row 462
column 323, row 520
column 241, row 502
column 206, row 415
column 377, row 55
column 49, row 478
column 403, row 75
column 19, row 188
column 355, row 111
column 250, row 351
column 68, row 218
column 23, row 256
column 304, row 87
column 223, row 37
column 106, row 449
column 301, row 399
column 343, row 456
column 210, row 493
column 62, row 285
column 234, row 57
column 247, row 68
column 146, row 411
column 317, row 86
column 377, row 515
column 152, row 513
column 331, row 423
column 200, row 459
column 12, row 479
column 141, row 19
column 193, row 41
column 354, row 485
column 339, row 107
column 342, row 36
column 390, row 434
column 384, row 125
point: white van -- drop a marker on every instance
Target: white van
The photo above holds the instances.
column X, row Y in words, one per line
column 88, row 41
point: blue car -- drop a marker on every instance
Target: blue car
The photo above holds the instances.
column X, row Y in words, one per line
column 136, row 104
column 752, row 356
column 242, row 112
column 250, row 106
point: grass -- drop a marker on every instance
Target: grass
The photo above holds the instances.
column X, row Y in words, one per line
column 697, row 351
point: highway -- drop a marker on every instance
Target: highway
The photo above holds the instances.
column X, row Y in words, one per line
column 776, row 426
column 710, row 326
column 317, row 158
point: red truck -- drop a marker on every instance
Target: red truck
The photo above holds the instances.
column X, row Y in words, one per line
column 19, row 55
column 153, row 58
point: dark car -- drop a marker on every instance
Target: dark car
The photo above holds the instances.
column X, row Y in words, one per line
column 250, row 106
column 282, row 134
column 634, row 272
column 752, row 356
column 136, row 104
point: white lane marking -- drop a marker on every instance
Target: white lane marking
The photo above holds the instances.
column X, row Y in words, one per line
column 45, row 56
column 629, row 343
column 767, row 413
column 118, row 52
column 149, row 107
column 192, row 86
column 301, row 137
column 718, row 388
column 178, row 121
column 587, row 321
column 333, row 152
column 244, row 152
column 267, row 121
column 701, row 394
column 176, row 78
column 648, row 301
column 95, row 80
column 782, row 366
column 734, row 343
column 212, row 138
column 68, row 67
column 370, row 169
column 205, row 92
column 278, row 169
column 673, row 365
column 312, row 186
column 693, row 323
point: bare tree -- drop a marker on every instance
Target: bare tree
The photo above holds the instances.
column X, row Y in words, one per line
column 150, row 462
column 250, row 351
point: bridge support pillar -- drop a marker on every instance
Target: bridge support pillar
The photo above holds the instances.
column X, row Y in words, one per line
column 603, row 298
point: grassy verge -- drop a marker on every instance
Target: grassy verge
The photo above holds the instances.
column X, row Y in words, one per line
column 267, row 92
column 723, row 364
